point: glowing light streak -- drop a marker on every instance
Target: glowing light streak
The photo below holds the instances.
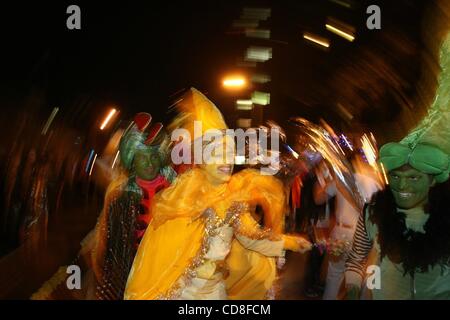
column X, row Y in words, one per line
column 93, row 163
column 115, row 159
column 108, row 118
column 322, row 42
column 49, row 121
column 384, row 174
column 343, row 34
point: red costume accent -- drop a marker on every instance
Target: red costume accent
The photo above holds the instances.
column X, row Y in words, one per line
column 149, row 188
column 142, row 120
column 296, row 191
column 153, row 132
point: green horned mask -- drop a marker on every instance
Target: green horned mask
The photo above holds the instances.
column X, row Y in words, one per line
column 144, row 149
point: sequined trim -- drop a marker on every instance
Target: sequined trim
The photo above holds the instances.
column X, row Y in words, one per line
column 255, row 233
column 274, row 292
column 212, row 224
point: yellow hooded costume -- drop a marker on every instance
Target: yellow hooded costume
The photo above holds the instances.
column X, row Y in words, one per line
column 203, row 242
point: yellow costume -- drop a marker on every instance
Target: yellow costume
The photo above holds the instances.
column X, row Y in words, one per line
column 189, row 215
column 200, row 218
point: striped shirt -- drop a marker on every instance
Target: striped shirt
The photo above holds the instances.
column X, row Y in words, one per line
column 357, row 258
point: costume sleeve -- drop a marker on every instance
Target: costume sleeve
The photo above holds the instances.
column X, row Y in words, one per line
column 356, row 262
column 101, row 234
column 252, row 237
column 120, row 246
column 267, row 192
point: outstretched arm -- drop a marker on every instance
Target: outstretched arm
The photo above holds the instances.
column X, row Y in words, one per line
column 253, row 237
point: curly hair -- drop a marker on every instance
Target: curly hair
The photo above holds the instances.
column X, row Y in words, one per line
column 414, row 250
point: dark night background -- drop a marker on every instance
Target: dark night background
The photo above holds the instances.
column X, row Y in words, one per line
column 137, row 54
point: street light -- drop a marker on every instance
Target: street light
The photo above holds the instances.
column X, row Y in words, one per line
column 234, row 82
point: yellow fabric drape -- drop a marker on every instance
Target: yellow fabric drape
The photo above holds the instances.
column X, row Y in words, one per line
column 188, row 196
column 163, row 256
column 266, row 191
column 195, row 106
column 252, row 274
column 176, row 234
column 173, row 238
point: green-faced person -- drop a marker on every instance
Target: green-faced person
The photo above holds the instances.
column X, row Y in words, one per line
column 147, row 163
column 408, row 226
column 144, row 150
column 408, row 223
column 410, row 187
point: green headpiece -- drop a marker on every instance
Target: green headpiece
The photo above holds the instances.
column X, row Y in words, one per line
column 141, row 136
column 423, row 157
column 427, row 147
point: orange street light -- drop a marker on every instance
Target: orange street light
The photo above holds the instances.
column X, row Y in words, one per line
column 235, row 82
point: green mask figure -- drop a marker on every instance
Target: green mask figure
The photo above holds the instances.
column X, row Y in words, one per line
column 144, row 150
column 147, row 163
column 144, row 153
column 407, row 224
column 410, row 187
column 413, row 171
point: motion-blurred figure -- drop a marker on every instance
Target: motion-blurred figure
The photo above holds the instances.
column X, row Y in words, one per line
column 346, row 218
column 204, row 227
column 144, row 151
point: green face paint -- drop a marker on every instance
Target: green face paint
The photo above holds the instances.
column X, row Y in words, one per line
column 410, row 187
column 147, row 163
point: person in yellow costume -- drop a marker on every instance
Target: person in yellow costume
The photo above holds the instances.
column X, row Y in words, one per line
column 203, row 242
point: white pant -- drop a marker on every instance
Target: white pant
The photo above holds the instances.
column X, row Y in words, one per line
column 336, row 268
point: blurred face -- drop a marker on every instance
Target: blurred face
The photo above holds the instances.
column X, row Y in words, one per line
column 410, row 187
column 220, row 163
column 147, row 164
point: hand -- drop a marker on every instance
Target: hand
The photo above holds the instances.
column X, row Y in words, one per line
column 352, row 292
column 281, row 261
column 296, row 243
column 304, row 245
